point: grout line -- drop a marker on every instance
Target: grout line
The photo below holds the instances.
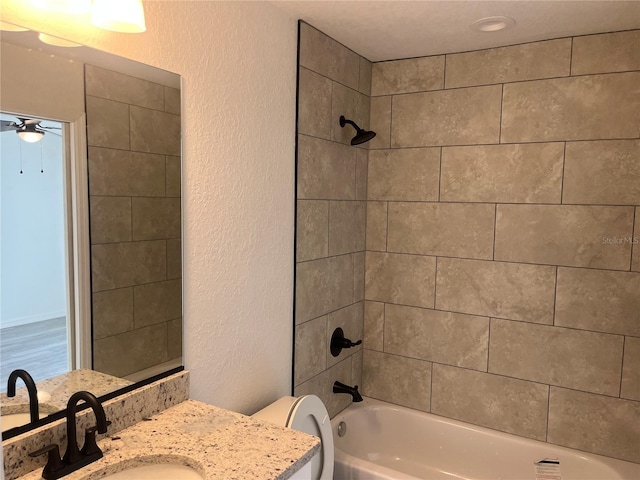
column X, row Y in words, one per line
column 390, row 118
column 431, row 389
column 495, row 228
column 444, row 76
column 489, row 344
column 634, row 246
column 564, row 161
column 435, row 285
column 555, row 297
column 546, row 434
column 624, row 343
column 501, row 111
column 440, row 177
column 571, row 57
column 386, row 240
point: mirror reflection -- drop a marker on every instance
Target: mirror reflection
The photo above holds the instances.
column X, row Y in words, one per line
column 91, row 223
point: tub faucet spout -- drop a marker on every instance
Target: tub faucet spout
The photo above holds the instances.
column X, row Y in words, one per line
column 339, row 387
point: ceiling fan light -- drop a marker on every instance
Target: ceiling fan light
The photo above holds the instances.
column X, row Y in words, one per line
column 64, row 6
column 125, row 16
column 30, row 136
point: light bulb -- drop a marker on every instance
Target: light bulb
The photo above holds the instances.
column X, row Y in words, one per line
column 125, row 16
column 30, row 136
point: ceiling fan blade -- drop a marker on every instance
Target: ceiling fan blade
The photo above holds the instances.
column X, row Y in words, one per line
column 49, row 128
column 6, row 125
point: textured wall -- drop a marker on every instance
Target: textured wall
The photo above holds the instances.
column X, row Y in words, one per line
column 238, row 67
column 133, row 135
column 502, row 279
column 331, row 212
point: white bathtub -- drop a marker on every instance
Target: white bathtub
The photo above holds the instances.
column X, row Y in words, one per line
column 387, row 442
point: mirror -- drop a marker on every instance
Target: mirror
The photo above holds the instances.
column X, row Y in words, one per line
column 110, row 153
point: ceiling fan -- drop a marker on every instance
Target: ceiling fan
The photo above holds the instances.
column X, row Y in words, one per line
column 28, row 129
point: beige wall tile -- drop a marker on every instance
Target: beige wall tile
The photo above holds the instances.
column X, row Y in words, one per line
column 155, row 218
column 356, row 368
column 116, row 172
column 380, row 122
column 112, row 312
column 506, row 404
column 358, row 276
column 312, row 226
column 354, row 106
column 325, row 56
column 580, row 108
column 173, row 176
column 564, row 357
column 110, row 219
column 450, row 117
column 598, row 300
column 400, row 380
column 362, row 168
column 310, row 349
column 171, row 100
column 350, row 319
column 404, row 174
column 174, row 334
column 496, row 289
column 594, row 423
column 376, row 226
column 157, row 302
column 373, row 325
column 130, row 352
column 314, row 104
column 402, row 279
column 527, row 173
column 323, row 286
column 407, row 76
column 510, row 64
column 609, row 52
column 322, row 386
column 326, row 170
column 564, row 235
column 346, row 227
column 174, row 258
column 116, row 265
column 103, row 83
column 107, row 123
column 635, row 262
column 364, row 86
column 154, row 132
column 442, row 337
column 442, row 229
column 630, row 369
column 602, row 172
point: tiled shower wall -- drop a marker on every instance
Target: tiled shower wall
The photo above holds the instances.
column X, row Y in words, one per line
column 503, row 219
column 331, row 211
column 133, row 135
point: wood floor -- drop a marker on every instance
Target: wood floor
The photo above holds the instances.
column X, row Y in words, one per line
column 39, row 348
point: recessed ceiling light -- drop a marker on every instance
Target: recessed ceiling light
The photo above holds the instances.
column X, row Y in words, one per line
column 493, row 24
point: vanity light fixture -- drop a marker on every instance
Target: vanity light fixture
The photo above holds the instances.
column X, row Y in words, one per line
column 55, row 41
column 493, row 24
column 125, row 16
column 9, row 27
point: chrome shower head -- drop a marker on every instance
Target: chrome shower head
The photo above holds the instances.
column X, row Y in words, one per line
column 361, row 136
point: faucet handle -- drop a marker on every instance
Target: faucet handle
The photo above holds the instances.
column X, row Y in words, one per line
column 90, row 446
column 54, row 462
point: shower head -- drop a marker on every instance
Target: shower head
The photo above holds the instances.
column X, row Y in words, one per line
column 361, row 136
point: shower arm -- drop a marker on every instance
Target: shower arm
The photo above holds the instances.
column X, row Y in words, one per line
column 344, row 121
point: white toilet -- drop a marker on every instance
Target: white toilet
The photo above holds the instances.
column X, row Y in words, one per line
column 306, row 414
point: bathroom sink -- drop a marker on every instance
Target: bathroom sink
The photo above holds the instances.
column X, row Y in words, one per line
column 160, row 471
column 16, row 420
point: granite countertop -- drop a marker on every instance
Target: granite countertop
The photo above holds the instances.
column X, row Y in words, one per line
column 217, row 443
column 55, row 392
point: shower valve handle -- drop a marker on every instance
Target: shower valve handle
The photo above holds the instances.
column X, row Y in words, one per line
column 338, row 342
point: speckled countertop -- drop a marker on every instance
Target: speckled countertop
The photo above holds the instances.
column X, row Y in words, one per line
column 217, row 443
column 57, row 390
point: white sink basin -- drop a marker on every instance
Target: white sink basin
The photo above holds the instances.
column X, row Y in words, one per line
column 16, row 420
column 161, row 471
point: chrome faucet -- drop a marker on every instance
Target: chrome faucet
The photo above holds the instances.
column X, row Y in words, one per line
column 31, row 389
column 339, row 387
column 74, row 458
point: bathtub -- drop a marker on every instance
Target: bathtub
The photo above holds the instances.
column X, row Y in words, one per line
column 386, row 442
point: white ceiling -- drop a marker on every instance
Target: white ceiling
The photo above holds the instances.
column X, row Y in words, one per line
column 392, row 29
